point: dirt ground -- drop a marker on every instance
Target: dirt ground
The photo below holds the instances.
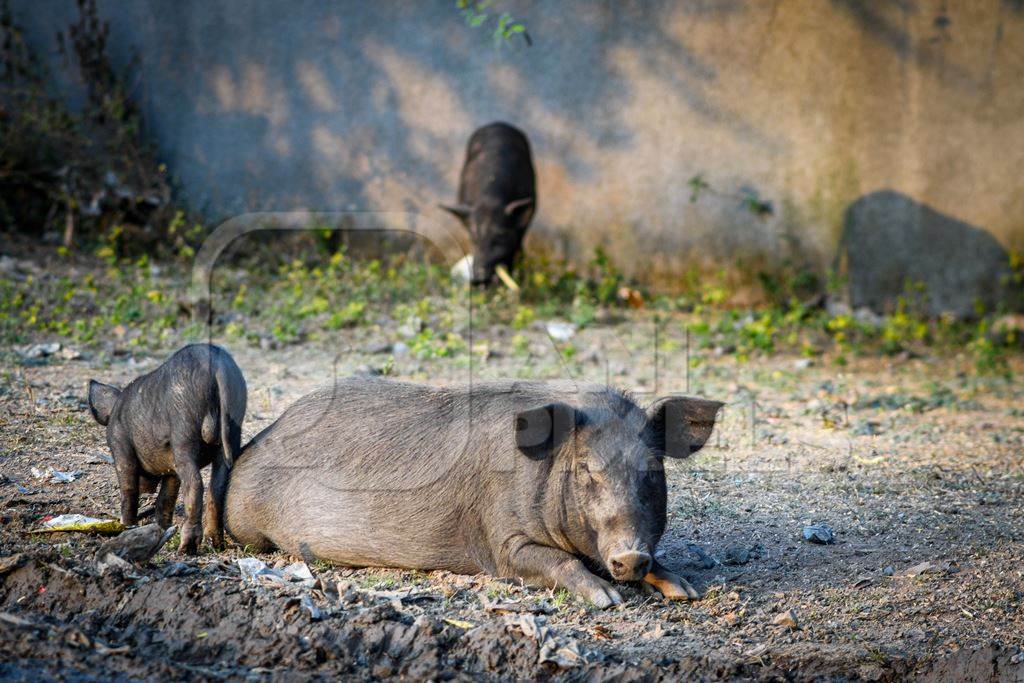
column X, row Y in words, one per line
column 916, row 464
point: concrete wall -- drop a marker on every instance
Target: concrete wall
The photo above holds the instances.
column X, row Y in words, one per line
column 811, row 103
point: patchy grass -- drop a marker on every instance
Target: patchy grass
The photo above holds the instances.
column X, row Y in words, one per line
column 136, row 303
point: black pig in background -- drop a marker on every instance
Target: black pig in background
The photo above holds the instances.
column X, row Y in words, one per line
column 497, row 199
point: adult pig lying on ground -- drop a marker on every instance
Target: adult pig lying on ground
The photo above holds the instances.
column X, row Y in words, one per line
column 515, row 479
column 167, row 425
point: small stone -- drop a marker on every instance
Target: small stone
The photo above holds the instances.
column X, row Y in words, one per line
column 787, row 618
column 819, row 533
column 867, row 428
column 736, row 555
column 889, row 571
column 703, row 559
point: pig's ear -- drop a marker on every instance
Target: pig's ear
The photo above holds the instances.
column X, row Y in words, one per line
column 680, row 425
column 518, row 204
column 102, row 398
column 541, row 431
column 460, row 211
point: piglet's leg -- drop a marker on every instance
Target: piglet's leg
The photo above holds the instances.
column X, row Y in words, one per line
column 166, row 500
column 186, row 457
column 556, row 568
column 127, row 467
column 213, row 519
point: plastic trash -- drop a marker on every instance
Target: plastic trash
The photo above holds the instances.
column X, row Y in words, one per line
column 81, row 523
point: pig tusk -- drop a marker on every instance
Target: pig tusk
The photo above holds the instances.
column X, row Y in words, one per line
column 503, row 275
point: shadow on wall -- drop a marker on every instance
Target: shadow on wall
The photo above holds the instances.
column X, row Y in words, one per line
column 331, row 106
column 891, row 243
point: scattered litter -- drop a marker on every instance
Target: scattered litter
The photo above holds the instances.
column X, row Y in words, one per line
column 106, row 650
column 787, row 618
column 137, row 545
column 403, row 594
column 930, row 568
column 32, row 351
column 50, row 474
column 463, row 269
column 703, row 559
column 76, row 522
column 256, row 571
column 516, row 606
column 460, row 623
column 560, row 330
column 506, row 278
column 97, row 458
column 558, row 650
column 819, row 533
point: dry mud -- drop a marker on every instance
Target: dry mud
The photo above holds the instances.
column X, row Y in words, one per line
column 915, row 463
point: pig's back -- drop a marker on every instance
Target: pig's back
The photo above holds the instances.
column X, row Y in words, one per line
column 366, row 473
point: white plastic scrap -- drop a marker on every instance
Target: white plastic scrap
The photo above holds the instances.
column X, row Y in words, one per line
column 55, row 475
column 255, row 570
column 462, row 271
column 560, row 330
column 38, row 350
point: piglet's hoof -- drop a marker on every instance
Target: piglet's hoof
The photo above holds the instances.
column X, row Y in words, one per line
column 189, row 543
column 216, row 540
column 671, row 586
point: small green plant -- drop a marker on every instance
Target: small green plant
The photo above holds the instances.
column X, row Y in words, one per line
column 476, row 14
column 561, row 598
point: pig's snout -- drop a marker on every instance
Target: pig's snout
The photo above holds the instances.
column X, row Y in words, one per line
column 631, row 565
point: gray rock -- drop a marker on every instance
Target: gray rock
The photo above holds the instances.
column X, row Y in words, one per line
column 703, row 559
column 890, row 240
column 819, row 533
column 736, row 555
